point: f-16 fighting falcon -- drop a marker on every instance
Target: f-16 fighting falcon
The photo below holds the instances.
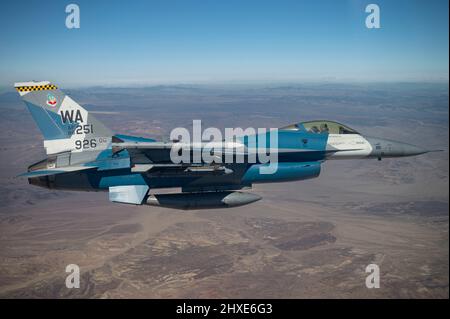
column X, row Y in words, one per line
column 84, row 155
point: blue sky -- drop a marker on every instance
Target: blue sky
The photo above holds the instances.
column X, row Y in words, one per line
column 150, row 42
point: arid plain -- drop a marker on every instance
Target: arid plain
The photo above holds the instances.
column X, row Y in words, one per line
column 310, row 239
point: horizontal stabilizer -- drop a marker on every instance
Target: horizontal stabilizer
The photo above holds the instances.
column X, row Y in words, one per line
column 54, row 171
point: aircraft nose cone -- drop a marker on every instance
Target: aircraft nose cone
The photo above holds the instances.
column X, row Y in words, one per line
column 388, row 148
column 398, row 149
column 411, row 150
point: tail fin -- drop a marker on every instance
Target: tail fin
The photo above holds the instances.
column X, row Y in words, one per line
column 66, row 125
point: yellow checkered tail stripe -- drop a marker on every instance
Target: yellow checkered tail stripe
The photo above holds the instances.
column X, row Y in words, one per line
column 36, row 88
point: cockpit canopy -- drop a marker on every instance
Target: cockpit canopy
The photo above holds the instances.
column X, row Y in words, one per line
column 320, row 126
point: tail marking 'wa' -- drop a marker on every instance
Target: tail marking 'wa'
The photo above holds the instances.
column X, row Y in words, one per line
column 65, row 125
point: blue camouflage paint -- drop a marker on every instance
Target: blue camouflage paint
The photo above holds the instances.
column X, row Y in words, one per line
column 123, row 179
column 309, row 146
column 129, row 138
column 106, row 160
column 49, row 123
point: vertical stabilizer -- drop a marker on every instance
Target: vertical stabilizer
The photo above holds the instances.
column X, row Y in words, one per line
column 65, row 125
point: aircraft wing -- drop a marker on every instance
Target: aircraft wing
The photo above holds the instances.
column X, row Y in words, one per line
column 158, row 153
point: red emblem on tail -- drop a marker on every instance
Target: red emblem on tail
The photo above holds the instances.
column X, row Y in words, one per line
column 51, row 100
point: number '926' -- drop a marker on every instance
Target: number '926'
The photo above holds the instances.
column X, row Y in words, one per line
column 85, row 144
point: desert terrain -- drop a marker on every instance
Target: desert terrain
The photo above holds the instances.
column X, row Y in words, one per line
column 309, row 239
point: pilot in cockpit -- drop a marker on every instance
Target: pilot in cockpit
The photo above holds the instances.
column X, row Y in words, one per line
column 324, row 128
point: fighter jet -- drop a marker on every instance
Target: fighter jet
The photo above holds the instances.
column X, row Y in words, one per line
column 84, row 155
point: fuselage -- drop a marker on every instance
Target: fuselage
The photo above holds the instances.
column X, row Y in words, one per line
column 300, row 155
